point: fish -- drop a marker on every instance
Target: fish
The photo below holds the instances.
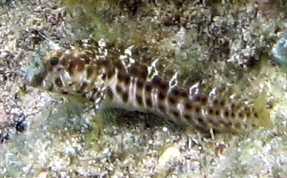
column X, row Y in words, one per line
column 111, row 76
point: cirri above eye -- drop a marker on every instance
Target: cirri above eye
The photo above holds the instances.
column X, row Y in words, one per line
column 54, row 61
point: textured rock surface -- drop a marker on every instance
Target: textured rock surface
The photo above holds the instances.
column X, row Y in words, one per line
column 46, row 135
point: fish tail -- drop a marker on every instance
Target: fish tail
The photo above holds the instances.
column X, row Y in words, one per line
column 260, row 108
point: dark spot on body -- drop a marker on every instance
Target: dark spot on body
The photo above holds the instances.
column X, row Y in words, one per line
column 161, row 95
column 119, row 89
column 148, row 102
column 139, row 99
column 184, row 93
column 188, row 105
column 210, row 111
column 103, row 76
column 197, row 109
column 200, row 99
column 143, row 73
column 175, row 91
column 156, row 81
column 125, row 96
column 122, row 76
column 64, row 92
column 174, row 112
column 140, row 84
column 187, row 116
column 163, row 86
column 58, row 82
column 137, row 72
column 200, row 120
column 203, row 99
column 127, row 80
column 217, row 113
column 226, row 113
column 172, row 100
column 119, row 66
column 256, row 115
column 110, row 72
column 148, row 87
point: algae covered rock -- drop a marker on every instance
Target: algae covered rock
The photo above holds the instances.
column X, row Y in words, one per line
column 279, row 50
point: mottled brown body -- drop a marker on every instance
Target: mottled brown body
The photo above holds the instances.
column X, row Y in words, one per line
column 110, row 76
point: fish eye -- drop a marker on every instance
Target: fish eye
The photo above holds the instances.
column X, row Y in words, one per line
column 54, row 61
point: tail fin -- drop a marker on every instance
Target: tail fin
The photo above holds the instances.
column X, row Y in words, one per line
column 263, row 119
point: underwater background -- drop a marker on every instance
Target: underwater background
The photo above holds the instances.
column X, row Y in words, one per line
column 241, row 44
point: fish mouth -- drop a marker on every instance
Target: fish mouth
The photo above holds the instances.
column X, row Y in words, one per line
column 36, row 72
